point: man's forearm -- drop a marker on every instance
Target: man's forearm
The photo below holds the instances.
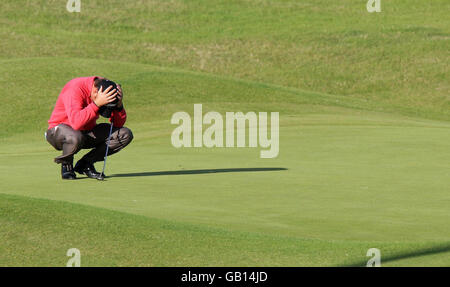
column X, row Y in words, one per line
column 119, row 117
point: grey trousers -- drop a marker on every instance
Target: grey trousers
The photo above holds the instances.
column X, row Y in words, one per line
column 70, row 141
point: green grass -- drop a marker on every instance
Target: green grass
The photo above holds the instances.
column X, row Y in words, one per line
column 364, row 134
column 119, row 239
column 398, row 57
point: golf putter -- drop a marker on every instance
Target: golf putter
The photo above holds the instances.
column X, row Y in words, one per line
column 102, row 175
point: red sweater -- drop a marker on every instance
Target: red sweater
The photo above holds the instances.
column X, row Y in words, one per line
column 75, row 108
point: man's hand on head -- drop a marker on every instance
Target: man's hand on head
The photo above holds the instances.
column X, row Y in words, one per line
column 105, row 97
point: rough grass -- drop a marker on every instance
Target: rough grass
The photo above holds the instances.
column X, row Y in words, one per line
column 398, row 57
column 38, row 232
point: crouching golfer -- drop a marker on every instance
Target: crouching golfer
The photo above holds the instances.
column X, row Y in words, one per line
column 72, row 125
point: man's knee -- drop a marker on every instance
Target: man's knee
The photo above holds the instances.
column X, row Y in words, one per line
column 65, row 137
column 74, row 139
column 121, row 138
column 125, row 135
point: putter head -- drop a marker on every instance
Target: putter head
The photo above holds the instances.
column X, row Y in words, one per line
column 101, row 177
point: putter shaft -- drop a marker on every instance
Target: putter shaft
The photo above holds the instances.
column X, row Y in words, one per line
column 106, row 154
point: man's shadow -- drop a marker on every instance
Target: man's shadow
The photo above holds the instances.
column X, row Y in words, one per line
column 198, row 171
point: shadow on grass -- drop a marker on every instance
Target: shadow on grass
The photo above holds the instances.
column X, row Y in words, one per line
column 198, row 171
column 440, row 248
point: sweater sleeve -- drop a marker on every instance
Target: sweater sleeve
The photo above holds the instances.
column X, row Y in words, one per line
column 77, row 114
column 118, row 118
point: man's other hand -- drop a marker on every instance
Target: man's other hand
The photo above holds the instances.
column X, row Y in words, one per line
column 119, row 96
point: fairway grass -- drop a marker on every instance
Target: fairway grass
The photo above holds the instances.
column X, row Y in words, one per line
column 364, row 134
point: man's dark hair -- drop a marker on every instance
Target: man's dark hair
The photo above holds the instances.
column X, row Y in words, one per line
column 104, row 83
